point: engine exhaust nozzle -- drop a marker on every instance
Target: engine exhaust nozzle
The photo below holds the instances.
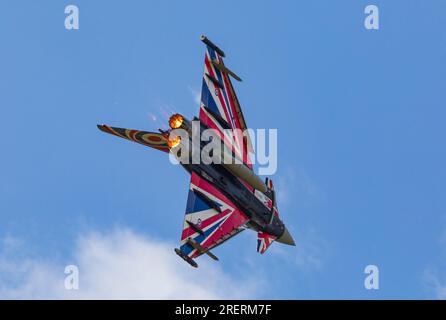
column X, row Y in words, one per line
column 176, row 120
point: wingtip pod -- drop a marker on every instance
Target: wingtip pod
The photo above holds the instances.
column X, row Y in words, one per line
column 105, row 128
column 101, row 127
column 209, row 43
column 186, row 258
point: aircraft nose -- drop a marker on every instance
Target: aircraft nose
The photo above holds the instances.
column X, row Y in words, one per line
column 286, row 238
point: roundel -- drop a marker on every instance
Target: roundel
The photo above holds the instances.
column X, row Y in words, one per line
column 153, row 139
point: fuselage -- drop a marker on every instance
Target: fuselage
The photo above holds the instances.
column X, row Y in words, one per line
column 261, row 218
column 234, row 179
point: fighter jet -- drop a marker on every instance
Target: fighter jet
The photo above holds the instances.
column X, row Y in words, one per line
column 224, row 198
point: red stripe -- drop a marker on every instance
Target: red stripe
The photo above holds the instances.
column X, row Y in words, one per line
column 231, row 102
column 211, row 124
column 235, row 220
column 189, row 231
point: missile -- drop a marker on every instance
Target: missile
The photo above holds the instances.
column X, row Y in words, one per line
column 243, row 172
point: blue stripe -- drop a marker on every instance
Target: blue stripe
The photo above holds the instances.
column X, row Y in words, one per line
column 208, row 100
column 212, row 54
column 195, row 204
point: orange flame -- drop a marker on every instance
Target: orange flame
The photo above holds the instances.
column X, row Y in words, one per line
column 172, row 142
column 175, row 121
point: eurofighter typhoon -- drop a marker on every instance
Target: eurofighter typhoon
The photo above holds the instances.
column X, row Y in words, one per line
column 225, row 197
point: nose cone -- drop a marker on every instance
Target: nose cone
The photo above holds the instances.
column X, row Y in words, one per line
column 286, row 238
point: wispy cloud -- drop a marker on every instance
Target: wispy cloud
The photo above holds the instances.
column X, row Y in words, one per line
column 311, row 251
column 196, row 95
column 162, row 115
column 432, row 279
column 11, row 243
column 153, row 117
column 434, row 284
column 294, row 184
column 121, row 265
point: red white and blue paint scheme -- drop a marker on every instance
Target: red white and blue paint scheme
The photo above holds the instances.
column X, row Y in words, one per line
column 223, row 200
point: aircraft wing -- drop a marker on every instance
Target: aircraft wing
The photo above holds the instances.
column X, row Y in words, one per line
column 150, row 139
column 210, row 219
column 219, row 106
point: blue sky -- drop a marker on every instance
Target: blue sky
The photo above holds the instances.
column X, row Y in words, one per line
column 360, row 118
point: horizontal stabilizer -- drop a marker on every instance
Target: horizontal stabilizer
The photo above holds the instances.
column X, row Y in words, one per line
column 264, row 240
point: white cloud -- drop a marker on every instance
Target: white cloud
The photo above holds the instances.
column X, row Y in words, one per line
column 121, row 265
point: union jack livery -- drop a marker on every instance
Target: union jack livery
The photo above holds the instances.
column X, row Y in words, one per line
column 224, row 198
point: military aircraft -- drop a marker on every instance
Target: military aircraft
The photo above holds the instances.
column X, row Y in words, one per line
column 224, row 198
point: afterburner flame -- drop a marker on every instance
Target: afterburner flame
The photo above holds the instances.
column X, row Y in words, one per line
column 176, row 121
column 172, row 142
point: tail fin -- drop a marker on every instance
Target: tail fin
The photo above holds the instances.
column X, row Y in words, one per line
column 150, row 139
column 264, row 240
